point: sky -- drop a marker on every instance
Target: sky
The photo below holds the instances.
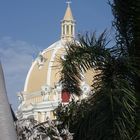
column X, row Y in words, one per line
column 29, row 26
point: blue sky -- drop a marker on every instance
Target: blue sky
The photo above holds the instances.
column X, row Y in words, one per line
column 28, row 26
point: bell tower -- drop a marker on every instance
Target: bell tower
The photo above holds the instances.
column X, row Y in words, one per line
column 68, row 25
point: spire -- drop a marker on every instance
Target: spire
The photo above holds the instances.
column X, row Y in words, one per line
column 68, row 14
column 68, row 25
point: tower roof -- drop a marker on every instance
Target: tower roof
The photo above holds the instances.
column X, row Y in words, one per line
column 68, row 14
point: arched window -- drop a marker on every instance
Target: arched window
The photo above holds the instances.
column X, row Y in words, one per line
column 67, row 29
column 63, row 29
column 72, row 29
column 39, row 116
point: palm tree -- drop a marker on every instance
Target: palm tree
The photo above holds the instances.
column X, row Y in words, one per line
column 112, row 111
column 113, row 108
column 127, row 23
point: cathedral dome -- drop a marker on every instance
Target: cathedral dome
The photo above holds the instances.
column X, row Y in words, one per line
column 45, row 69
column 42, row 91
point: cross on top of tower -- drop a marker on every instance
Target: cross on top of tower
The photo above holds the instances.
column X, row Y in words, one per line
column 68, row 2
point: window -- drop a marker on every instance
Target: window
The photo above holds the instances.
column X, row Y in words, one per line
column 63, row 29
column 72, row 29
column 67, row 29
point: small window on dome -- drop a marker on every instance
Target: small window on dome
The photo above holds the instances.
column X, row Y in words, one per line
column 63, row 56
column 40, row 60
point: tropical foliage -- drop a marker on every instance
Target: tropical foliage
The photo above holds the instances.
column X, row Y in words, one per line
column 113, row 108
column 127, row 25
column 30, row 129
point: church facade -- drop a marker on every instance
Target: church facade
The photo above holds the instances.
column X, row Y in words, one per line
column 42, row 91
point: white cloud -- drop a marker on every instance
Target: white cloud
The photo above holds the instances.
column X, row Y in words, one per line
column 16, row 57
